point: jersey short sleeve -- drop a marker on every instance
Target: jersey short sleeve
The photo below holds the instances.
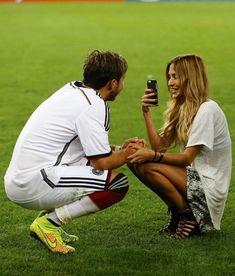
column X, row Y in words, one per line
column 92, row 128
column 202, row 132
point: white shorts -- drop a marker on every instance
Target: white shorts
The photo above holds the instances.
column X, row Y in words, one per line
column 58, row 186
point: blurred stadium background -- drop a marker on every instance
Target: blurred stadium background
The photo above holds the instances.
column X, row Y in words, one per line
column 42, row 46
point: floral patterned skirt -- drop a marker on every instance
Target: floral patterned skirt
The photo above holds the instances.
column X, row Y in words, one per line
column 197, row 201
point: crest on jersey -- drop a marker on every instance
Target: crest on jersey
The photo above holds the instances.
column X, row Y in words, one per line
column 97, row 172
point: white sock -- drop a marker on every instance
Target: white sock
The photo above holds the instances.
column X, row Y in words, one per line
column 53, row 218
column 76, row 209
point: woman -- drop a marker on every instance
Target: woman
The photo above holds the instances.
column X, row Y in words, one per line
column 194, row 182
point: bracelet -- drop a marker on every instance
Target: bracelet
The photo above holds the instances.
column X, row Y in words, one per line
column 159, row 159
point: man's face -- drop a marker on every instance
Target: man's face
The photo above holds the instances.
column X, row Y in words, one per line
column 116, row 88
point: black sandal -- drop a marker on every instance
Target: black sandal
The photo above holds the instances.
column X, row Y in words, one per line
column 188, row 225
column 170, row 227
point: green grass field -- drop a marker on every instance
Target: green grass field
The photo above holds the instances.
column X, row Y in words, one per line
column 42, row 46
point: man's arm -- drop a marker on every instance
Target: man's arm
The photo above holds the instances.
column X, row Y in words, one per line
column 114, row 160
column 119, row 155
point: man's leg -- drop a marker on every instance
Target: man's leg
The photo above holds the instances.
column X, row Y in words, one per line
column 115, row 191
column 49, row 234
column 48, row 227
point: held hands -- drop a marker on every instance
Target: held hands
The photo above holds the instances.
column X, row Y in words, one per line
column 129, row 143
column 140, row 154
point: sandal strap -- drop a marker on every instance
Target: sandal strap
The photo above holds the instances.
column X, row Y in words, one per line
column 172, row 223
column 188, row 225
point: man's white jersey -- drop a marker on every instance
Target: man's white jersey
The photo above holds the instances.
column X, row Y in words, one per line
column 70, row 125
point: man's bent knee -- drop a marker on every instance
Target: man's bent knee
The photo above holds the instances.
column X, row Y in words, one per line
column 115, row 192
column 119, row 184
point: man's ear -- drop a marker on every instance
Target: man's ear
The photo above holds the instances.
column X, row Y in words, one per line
column 113, row 84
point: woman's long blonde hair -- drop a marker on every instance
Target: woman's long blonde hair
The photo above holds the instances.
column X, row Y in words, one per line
column 181, row 111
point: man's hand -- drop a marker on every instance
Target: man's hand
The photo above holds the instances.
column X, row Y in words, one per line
column 132, row 142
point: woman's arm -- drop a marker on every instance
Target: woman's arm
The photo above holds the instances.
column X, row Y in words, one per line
column 183, row 159
column 156, row 141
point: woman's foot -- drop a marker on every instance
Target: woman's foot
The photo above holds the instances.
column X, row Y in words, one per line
column 187, row 226
column 170, row 227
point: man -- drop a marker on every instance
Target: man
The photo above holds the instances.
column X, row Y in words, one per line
column 62, row 161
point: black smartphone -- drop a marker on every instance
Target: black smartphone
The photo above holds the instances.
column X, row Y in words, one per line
column 152, row 84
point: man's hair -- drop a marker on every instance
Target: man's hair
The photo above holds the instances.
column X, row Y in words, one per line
column 102, row 66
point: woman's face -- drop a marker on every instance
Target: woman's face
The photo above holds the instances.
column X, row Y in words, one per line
column 174, row 83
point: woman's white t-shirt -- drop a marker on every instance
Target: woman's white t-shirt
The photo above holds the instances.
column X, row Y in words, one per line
column 214, row 162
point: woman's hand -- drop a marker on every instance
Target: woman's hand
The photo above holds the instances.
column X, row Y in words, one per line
column 148, row 100
column 141, row 155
